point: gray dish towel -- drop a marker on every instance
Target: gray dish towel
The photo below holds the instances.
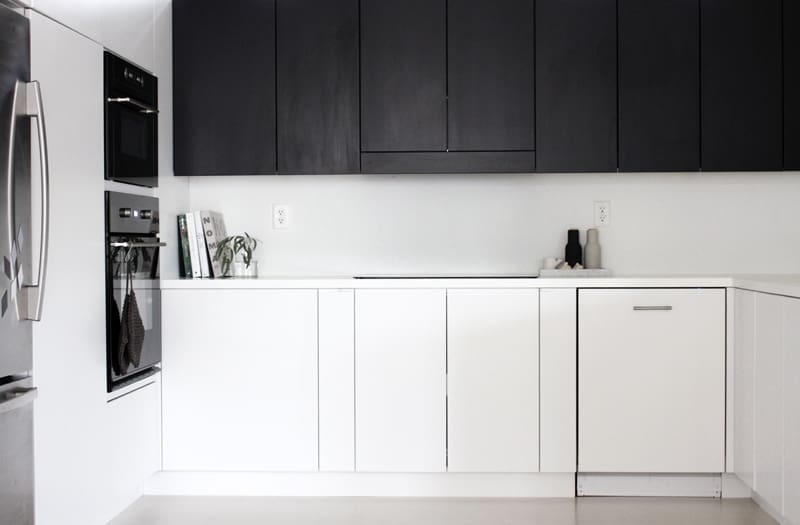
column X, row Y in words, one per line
column 132, row 330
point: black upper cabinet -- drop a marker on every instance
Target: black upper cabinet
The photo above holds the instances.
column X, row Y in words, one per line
column 317, row 82
column 576, row 85
column 659, row 85
column 403, row 68
column 224, row 87
column 742, row 85
column 791, row 78
column 490, row 75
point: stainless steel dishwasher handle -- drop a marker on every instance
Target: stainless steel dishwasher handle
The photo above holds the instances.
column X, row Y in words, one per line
column 652, row 308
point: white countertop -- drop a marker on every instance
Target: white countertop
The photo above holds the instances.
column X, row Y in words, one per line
column 788, row 285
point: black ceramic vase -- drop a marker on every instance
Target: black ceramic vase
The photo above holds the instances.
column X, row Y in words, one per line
column 574, row 253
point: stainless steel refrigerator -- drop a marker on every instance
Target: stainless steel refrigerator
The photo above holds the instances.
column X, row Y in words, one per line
column 21, row 278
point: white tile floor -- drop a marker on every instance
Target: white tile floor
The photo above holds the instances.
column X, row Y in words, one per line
column 161, row 510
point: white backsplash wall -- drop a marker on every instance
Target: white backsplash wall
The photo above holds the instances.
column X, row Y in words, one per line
column 660, row 223
column 173, row 192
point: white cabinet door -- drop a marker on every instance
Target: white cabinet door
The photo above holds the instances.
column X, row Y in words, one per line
column 134, row 430
column 651, row 381
column 240, row 380
column 558, row 351
column 791, row 410
column 493, row 380
column 400, row 380
column 768, row 399
column 70, row 342
column 744, row 355
column 336, row 381
column 123, row 26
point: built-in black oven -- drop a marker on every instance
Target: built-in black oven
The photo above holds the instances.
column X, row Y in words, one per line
column 131, row 114
column 133, row 340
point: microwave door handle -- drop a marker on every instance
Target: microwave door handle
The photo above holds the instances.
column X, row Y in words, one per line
column 33, row 295
column 143, row 108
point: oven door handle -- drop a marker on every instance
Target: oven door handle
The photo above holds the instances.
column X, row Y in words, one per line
column 143, row 108
column 138, row 244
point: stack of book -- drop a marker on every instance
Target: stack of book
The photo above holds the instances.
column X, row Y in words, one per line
column 199, row 233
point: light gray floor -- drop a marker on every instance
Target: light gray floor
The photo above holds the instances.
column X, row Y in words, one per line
column 163, row 510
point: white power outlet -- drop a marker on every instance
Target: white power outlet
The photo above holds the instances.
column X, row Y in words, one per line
column 280, row 216
column 602, row 213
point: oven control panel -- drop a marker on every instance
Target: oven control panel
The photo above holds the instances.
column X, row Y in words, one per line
column 131, row 214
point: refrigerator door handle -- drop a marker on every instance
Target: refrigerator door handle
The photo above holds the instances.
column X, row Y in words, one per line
column 32, row 296
column 11, row 212
column 17, row 398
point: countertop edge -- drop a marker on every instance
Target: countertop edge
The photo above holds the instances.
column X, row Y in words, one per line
column 716, row 281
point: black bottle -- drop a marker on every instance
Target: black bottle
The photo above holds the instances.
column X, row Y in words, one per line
column 574, row 252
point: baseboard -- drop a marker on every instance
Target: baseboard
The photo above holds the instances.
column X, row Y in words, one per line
column 734, row 488
column 677, row 485
column 769, row 509
column 362, row 485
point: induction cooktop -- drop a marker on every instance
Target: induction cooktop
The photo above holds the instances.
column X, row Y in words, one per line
column 448, row 276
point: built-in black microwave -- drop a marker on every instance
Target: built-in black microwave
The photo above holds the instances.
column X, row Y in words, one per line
column 131, row 123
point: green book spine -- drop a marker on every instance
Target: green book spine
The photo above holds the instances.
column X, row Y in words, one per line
column 185, row 255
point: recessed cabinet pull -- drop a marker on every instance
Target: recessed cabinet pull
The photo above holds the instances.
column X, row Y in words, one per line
column 652, row 308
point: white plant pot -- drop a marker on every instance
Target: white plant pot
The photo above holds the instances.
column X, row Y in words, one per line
column 240, row 269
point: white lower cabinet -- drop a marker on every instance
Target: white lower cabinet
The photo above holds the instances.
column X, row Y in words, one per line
column 744, row 356
column 240, row 380
column 558, row 355
column 134, row 428
column 651, row 381
column 336, row 381
column 493, row 380
column 400, row 380
column 767, row 402
column 768, row 459
column 791, row 410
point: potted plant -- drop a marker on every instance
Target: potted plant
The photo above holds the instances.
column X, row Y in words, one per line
column 236, row 252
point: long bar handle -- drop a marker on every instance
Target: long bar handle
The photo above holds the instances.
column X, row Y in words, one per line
column 143, row 108
column 17, row 399
column 137, row 244
column 34, row 310
column 11, row 213
column 652, row 308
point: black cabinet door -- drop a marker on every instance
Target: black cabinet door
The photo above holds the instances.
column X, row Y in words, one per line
column 317, row 82
column 403, row 70
column 224, row 87
column 791, row 79
column 659, row 85
column 741, row 78
column 576, row 85
column 490, row 75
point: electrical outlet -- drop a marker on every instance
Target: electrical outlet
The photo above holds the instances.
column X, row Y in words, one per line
column 280, row 216
column 602, row 213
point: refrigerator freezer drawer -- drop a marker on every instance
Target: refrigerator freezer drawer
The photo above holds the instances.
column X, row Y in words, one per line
column 16, row 455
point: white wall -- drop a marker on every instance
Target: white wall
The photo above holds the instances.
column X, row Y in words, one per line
column 173, row 192
column 674, row 223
